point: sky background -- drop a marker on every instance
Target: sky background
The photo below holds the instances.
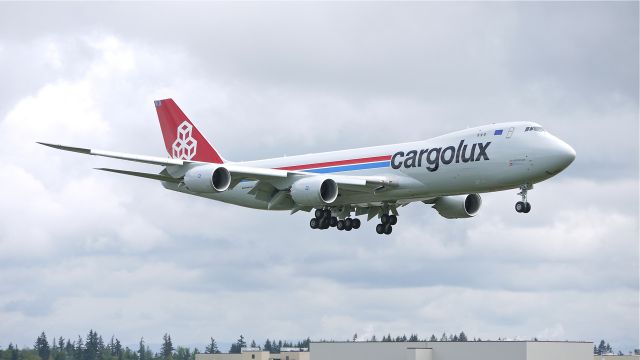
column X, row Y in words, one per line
column 81, row 249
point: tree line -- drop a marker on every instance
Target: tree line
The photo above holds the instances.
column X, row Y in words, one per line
column 93, row 347
column 605, row 349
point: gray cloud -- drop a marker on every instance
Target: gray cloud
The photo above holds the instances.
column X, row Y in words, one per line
column 81, row 249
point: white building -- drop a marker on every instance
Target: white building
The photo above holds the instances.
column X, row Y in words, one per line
column 429, row 350
column 446, row 350
column 256, row 354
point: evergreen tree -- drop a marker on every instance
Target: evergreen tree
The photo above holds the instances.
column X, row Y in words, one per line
column 212, row 348
column 355, row 337
column 462, row 336
column 91, row 346
column 433, row 338
column 118, row 350
column 78, row 349
column 267, row 345
column 100, row 348
column 443, row 337
column 141, row 351
column 42, row 347
column 234, row 349
column 183, row 353
column 167, row 347
column 253, row 344
column 602, row 348
column 413, row 337
column 129, row 354
column 373, row 338
column 241, row 343
column 69, row 350
column 14, row 353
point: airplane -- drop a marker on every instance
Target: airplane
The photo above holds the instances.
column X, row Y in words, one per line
column 448, row 172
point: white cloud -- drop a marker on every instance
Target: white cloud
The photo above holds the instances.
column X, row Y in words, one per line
column 82, row 249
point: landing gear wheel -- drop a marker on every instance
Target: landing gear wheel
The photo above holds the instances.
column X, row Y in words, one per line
column 384, row 218
column 313, row 223
column 380, row 229
column 324, row 223
column 333, row 222
column 327, row 213
column 355, row 223
column 340, row 225
column 387, row 229
column 524, row 206
column 319, row 213
column 348, row 224
column 393, row 219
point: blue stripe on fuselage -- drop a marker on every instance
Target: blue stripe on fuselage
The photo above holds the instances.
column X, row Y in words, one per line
column 333, row 169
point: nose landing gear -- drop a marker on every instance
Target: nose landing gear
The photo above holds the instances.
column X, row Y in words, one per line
column 524, row 206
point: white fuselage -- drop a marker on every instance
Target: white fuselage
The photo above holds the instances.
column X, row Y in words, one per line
column 476, row 160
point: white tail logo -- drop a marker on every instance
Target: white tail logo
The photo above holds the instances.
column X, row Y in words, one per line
column 185, row 145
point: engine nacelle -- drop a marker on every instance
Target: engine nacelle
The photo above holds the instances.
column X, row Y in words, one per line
column 207, row 179
column 314, row 191
column 457, row 207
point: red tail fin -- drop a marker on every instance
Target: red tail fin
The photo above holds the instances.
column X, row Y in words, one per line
column 181, row 138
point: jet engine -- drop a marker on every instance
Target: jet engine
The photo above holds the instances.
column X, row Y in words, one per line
column 314, row 191
column 457, row 207
column 207, row 179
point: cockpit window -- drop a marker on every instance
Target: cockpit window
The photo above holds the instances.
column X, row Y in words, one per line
column 534, row 128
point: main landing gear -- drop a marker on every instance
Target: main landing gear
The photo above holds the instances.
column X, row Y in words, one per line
column 324, row 220
column 386, row 222
column 524, row 206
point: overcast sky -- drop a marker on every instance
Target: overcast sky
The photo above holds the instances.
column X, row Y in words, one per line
column 81, row 250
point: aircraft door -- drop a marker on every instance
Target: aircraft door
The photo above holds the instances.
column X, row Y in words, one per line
column 510, row 132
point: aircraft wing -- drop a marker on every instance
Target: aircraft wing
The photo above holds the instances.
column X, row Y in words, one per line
column 273, row 179
column 163, row 176
column 117, row 155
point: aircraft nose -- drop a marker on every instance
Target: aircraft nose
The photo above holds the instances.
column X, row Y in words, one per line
column 563, row 155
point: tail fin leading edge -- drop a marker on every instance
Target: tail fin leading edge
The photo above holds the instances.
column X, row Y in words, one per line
column 181, row 138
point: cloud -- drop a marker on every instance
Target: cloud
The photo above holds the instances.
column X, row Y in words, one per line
column 81, row 249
